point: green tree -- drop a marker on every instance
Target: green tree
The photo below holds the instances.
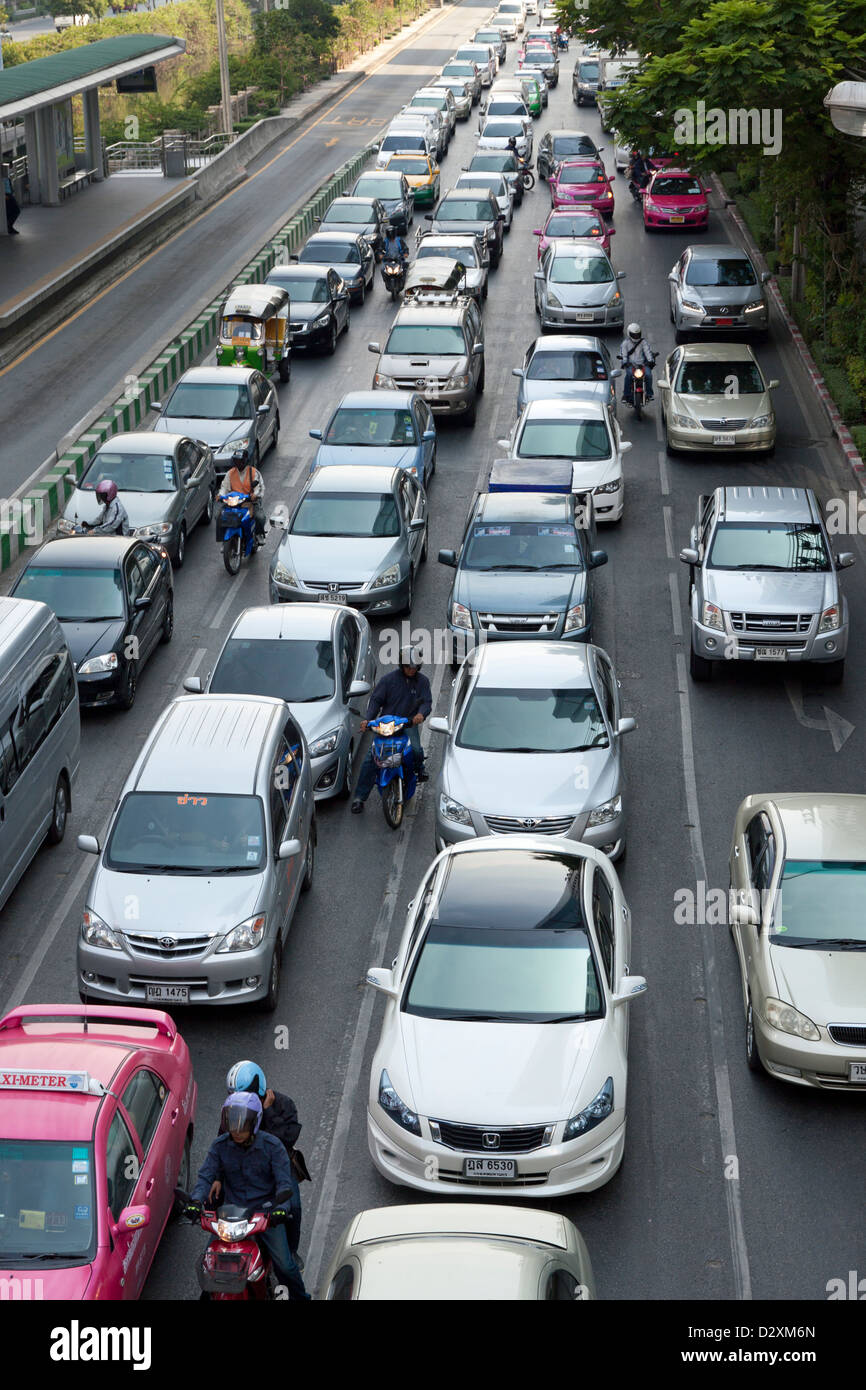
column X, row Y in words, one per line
column 95, row 8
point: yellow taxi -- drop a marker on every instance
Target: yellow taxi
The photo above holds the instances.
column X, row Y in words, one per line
column 422, row 176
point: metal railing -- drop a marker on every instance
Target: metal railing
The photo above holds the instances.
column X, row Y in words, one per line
column 173, row 149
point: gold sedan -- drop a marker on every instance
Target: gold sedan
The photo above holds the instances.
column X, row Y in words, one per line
column 715, row 399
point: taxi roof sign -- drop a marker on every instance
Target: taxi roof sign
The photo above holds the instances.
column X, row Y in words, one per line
column 65, row 1082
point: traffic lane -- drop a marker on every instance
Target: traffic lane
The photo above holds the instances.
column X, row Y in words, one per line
column 90, row 357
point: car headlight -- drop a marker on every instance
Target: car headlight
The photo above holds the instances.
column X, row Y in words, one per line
column 831, row 618
column 326, row 744
column 608, row 194
column 283, row 575
column 98, row 933
column 591, row 1115
column 682, row 422
column 395, row 1108
column 614, row 297
column 552, row 301
column 389, row 576
column 608, row 487
column 460, row 380
column 460, row 616
column 245, row 936
column 575, row 617
column 608, row 811
column 99, row 665
column 453, row 810
column 690, row 304
column 789, row 1020
column 234, row 446
column 712, row 616
column 64, row 527
column 322, row 321
column 387, row 383
column 760, row 422
column 754, row 306
column 151, row 532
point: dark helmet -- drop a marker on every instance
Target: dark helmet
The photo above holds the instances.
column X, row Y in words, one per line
column 106, row 491
column 411, row 656
column 241, row 1111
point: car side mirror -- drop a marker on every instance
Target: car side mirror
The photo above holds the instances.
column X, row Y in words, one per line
column 359, row 688
column 477, row 349
column 662, row 381
column 597, row 558
column 383, row 980
column 374, row 149
column 262, row 409
column 193, row 685
column 625, row 726
column 673, row 277
column 156, row 405
column 743, row 915
column 625, row 445
column 289, row 849
column 428, row 436
column 448, row 557
column 845, row 560
column 428, row 217
column 277, row 519
column 315, row 434
column 538, row 275
column 771, row 385
column 689, row 556
column 88, row 843
column 373, row 347
column 517, row 371
column 617, row 372
column 142, row 603
column 439, row 724
column 620, row 275
column 765, row 276
column 130, row 1220
column 630, row 986
column 417, row 524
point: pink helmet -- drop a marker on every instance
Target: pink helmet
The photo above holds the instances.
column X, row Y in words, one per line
column 106, row 491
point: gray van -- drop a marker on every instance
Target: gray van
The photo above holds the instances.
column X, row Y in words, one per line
column 40, row 735
column 208, row 849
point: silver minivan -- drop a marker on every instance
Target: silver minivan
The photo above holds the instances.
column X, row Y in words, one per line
column 208, row 849
column 40, row 735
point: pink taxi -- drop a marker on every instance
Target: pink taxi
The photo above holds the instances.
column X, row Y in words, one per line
column 675, row 198
column 96, row 1115
column 581, row 183
column 585, row 224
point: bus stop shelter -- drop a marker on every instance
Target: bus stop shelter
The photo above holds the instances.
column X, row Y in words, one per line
column 40, row 94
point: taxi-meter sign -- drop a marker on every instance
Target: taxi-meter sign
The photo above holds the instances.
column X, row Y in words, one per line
column 68, row 1082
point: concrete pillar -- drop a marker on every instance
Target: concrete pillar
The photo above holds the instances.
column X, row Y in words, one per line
column 49, row 179
column 31, row 139
column 92, row 135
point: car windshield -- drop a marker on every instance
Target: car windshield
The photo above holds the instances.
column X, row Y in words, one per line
column 372, row 428
column 187, row 833
column 209, row 400
column 426, row 340
column 293, row 669
column 331, row 253
column 521, row 545
column 551, row 721
column 347, row 514
column 675, row 188
column 581, row 270
column 566, row 224
column 402, row 141
column 356, row 213
column 464, row 210
column 566, row 364
column 565, row 145
column 537, row 57
column 719, row 379
column 75, row 595
column 581, row 173
column 503, row 130
column 564, row 439
column 504, row 163
column 415, row 168
column 494, row 182
column 457, row 87
column 48, row 1198
column 761, row 545
column 821, row 901
column 731, row 274
column 467, row 255
column 506, row 106
column 378, row 186
column 496, row 975
column 131, row 472
column 304, row 289
column 588, row 72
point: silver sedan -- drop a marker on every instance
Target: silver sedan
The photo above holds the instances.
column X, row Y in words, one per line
column 577, row 284
column 534, row 734
column 571, row 366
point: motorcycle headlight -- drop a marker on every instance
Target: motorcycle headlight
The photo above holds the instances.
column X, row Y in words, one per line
column 452, row 810
column 712, row 616
column 389, row 576
column 395, row 1108
column 234, row 446
column 608, row 811
column 245, row 936
column 789, row 1020
column 591, row 1115
column 153, row 531
column 283, row 575
column 831, row 618
column 326, row 744
column 64, row 527
column 575, row 617
column 460, row 615
column 386, row 383
column 760, row 422
column 322, row 321
column 98, row 933
column 99, row 665
column 233, row 1230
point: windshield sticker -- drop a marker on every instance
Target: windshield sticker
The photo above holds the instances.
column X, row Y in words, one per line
column 80, row 1165
column 252, row 856
column 55, row 1220
column 492, row 531
column 80, row 1180
column 79, row 1154
column 82, row 1213
column 555, row 531
column 187, row 800
column 254, row 839
column 31, row 1220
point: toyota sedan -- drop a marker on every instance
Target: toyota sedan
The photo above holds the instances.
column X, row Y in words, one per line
column 675, row 198
column 583, row 225
column 581, row 183
column 233, row 410
column 715, row 398
column 717, row 289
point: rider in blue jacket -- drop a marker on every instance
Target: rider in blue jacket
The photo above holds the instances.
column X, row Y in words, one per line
column 405, row 692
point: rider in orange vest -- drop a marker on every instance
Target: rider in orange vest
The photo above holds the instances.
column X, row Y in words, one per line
column 247, row 480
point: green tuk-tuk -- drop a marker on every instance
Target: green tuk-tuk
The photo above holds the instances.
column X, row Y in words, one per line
column 254, row 330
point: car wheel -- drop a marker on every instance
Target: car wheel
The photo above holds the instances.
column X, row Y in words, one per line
column 484, row 291
column 184, row 1170
column 271, row 999
column 669, row 448
column 699, row 668
column 168, row 621
column 207, row 514
column 362, row 295
column 768, row 453
column 432, row 464
column 126, row 698
column 285, row 369
column 257, row 456
column 275, row 437
column 179, row 555
column 480, row 386
column 410, row 597
column 753, row 1056
column 309, row 859
column 471, row 414
column 832, row 672
column 423, row 556
column 680, row 336
column 331, row 347
column 59, row 811
column 348, row 772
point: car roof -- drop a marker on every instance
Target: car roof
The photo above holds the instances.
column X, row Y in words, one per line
column 213, row 375
column 780, row 503
column 571, row 132
column 525, row 506
column 79, row 552
column 459, row 1218
column 718, row 251
column 823, row 825
column 532, row 665
column 317, row 238
column 576, row 246
column 451, row 237
column 572, row 342
column 464, row 1268
column 140, row 442
column 673, row 171
column 357, row 477
column 208, row 743
column 393, row 174
column 307, row 271
column 352, row 199
column 375, row 400
column 286, row 620
column 716, row 352
column 581, row 162
column 565, row 408
column 430, row 313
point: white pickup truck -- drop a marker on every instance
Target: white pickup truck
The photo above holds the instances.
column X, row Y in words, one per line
column 66, row 21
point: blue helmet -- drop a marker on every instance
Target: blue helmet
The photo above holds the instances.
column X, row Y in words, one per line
column 246, row 1076
column 241, row 1111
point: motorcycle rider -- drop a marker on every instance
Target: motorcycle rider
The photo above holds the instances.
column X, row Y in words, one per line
column 638, row 172
column 394, row 247
column 512, row 145
column 280, row 1118
column 243, row 477
column 247, row 1167
column 405, row 692
column 112, row 519
column 635, row 351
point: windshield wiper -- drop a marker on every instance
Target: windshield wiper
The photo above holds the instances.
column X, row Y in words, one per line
column 567, row 1018
column 559, row 565
column 487, row 569
column 782, row 569
column 90, row 620
column 844, row 943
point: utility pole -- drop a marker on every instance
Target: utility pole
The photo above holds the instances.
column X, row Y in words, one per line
column 225, row 89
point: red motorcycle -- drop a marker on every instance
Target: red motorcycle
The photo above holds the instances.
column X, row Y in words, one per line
column 234, row 1267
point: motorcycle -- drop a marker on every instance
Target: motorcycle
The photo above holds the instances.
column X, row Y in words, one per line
column 394, row 757
column 236, row 530
column 562, row 42
column 638, row 389
column 233, row 1267
column 394, row 277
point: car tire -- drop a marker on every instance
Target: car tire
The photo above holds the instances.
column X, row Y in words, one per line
column 348, row 773
column 484, row 291
column 362, row 296
column 753, row 1056
column 167, row 631
column 480, row 387
column 422, row 559
column 768, row 453
column 184, row 1170
column 59, row 811
column 699, row 668
column 671, row 452
column 410, row 597
column 432, row 464
column 275, row 437
column 309, row 859
column 472, row 413
column 271, row 999
column 331, row 345
column 832, row 672
column 257, row 456
column 680, row 336
column 207, row 514
column 126, row 697
column 179, row 555
column 284, row 367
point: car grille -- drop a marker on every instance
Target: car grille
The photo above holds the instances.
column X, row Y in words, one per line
column 183, row 945
column 848, row 1034
column 421, row 383
column 518, row 622
column 322, row 586
column 532, row 825
column 507, row 1184
column 191, row 981
column 746, row 644
column 297, row 327
column 724, row 424
column 771, row 622
column 512, row 1139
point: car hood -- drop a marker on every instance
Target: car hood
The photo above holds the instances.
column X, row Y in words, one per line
column 580, row 296
column 678, row 202
column 742, row 407
column 420, row 367
column 396, row 457
column 142, row 508
column 212, row 432
column 526, row 784
column 317, row 717
column 559, row 390
column 175, row 904
column 768, row 592
column 339, row 559
column 303, row 312
column 717, row 295
column 92, row 639
column 55, row 1285
column 370, row 230
column 828, row 986
column 504, row 591
column 496, row 1073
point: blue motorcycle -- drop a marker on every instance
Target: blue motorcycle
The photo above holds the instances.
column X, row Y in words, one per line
column 394, row 757
column 236, row 530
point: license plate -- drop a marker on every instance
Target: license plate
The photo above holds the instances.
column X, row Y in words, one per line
column 723, row 439
column 490, row 1168
column 167, row 994
column 332, row 598
column 857, row 1072
column 723, row 321
column 676, row 218
column 583, row 318
column 771, row 654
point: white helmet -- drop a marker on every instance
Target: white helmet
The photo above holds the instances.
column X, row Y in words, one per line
column 634, row 331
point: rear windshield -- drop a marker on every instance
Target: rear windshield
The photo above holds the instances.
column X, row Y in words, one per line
column 465, row 254
column 491, row 181
column 502, row 130
column 507, row 106
column 403, row 142
column 303, row 290
column 580, row 224
column 187, row 832
column 503, row 162
column 464, row 210
column 375, row 186
column 565, row 145
column 418, row 167
column 564, row 364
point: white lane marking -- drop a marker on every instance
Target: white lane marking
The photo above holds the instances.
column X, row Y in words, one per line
column 46, row 940
column 663, row 475
column 832, row 723
column 675, row 606
column 219, row 615
column 669, row 532
column 715, row 1019
column 355, row 1042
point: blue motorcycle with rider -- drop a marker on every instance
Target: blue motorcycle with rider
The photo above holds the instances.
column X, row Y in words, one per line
column 398, row 705
column 241, row 527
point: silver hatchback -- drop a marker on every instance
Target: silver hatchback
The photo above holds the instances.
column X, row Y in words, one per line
column 577, row 284
column 556, row 365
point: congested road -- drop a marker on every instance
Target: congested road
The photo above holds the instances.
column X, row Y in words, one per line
column 728, row 1177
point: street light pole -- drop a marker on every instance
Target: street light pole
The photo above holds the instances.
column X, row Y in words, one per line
column 225, row 89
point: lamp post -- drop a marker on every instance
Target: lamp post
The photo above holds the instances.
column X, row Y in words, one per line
column 846, row 104
column 225, row 89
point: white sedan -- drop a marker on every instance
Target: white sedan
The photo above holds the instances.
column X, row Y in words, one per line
column 580, row 430
column 503, row 1059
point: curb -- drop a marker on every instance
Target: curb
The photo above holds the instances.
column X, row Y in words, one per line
column 837, row 424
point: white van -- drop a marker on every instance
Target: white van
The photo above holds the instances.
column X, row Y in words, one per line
column 40, row 735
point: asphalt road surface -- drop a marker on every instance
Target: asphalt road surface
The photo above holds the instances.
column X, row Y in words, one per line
column 733, row 1185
